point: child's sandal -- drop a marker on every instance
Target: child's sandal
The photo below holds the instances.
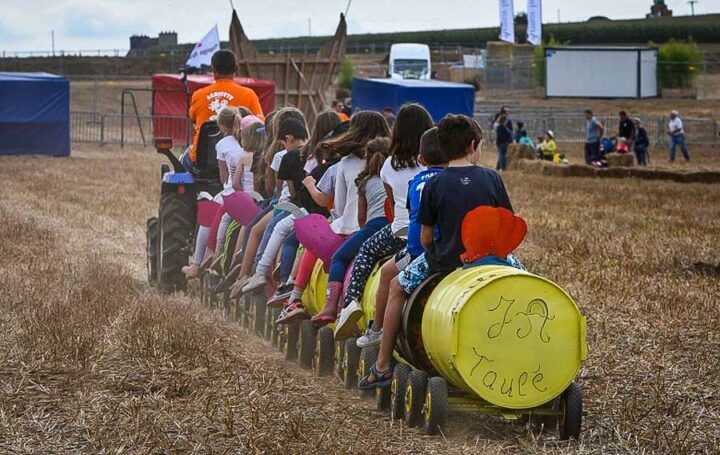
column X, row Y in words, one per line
column 381, row 378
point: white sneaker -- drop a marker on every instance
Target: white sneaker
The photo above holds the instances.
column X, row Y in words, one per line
column 349, row 316
column 257, row 281
column 371, row 338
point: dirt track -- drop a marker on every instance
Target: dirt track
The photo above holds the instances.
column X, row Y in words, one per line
column 91, row 360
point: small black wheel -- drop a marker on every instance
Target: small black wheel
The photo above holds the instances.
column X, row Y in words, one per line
column 382, row 398
column 259, row 315
column 339, row 359
column 248, row 311
column 415, row 398
column 368, row 356
column 203, row 294
column 306, row 343
column 397, row 391
column 278, row 332
column 212, row 297
column 268, row 326
column 572, row 408
column 151, row 248
column 436, row 406
column 351, row 360
column 324, row 352
column 292, row 333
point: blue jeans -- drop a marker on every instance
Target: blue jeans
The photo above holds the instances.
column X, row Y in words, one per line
column 287, row 256
column 349, row 249
column 502, row 153
column 641, row 155
column 674, row 142
column 266, row 236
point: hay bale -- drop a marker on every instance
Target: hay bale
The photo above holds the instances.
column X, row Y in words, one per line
column 620, row 160
column 519, row 152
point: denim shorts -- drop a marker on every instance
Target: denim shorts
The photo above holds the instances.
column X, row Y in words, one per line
column 414, row 274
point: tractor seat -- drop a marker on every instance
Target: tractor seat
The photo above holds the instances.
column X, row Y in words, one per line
column 206, row 164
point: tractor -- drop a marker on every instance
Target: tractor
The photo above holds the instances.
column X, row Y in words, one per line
column 171, row 235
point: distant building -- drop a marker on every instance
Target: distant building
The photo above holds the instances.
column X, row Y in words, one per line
column 659, row 9
column 141, row 44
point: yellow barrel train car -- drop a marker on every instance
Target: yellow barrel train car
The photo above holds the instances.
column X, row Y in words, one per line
column 488, row 339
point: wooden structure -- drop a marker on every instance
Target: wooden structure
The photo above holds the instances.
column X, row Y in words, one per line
column 300, row 80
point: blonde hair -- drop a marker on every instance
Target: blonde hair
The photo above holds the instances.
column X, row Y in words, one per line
column 229, row 118
column 251, row 139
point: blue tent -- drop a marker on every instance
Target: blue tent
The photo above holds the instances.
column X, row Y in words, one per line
column 34, row 114
column 438, row 97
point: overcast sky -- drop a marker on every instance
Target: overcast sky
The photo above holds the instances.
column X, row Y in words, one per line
column 106, row 24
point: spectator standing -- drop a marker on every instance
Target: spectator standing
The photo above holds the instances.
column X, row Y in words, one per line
column 338, row 107
column 520, row 129
column 503, row 139
column 593, row 133
column 677, row 136
column 641, row 142
column 626, row 128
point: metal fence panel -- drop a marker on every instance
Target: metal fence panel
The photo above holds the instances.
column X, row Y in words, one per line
column 128, row 129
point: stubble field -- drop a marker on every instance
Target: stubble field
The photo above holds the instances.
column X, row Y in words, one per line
column 92, row 360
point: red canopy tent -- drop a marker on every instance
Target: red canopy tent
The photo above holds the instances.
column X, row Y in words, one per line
column 170, row 101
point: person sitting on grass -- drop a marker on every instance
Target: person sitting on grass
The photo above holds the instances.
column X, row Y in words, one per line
column 434, row 159
column 446, row 199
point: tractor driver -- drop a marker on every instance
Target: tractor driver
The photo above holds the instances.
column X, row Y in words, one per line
column 208, row 101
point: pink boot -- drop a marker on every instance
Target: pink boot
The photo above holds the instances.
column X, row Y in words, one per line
column 329, row 311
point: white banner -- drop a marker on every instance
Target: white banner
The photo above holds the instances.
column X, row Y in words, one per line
column 203, row 51
column 507, row 21
column 534, row 18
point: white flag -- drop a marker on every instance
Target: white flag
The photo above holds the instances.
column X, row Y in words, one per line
column 534, row 18
column 203, row 51
column 507, row 21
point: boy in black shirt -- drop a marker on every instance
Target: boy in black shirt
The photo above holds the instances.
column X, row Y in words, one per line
column 446, row 199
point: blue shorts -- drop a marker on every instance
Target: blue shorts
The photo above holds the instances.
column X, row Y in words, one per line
column 414, row 274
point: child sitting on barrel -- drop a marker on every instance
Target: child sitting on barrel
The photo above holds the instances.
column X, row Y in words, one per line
column 446, row 199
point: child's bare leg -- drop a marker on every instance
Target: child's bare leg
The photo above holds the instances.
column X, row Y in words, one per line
column 238, row 247
column 391, row 324
column 387, row 273
column 256, row 234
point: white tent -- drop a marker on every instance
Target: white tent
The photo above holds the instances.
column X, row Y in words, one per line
column 601, row 72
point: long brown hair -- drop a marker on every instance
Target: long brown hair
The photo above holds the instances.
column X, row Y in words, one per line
column 411, row 122
column 277, row 145
column 364, row 126
column 376, row 152
column 325, row 122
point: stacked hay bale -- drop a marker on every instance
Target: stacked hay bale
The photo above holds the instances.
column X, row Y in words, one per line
column 620, row 160
column 519, row 152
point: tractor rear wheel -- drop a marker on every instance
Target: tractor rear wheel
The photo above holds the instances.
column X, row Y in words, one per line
column 436, row 406
column 572, row 408
column 151, row 248
column 415, row 398
column 175, row 229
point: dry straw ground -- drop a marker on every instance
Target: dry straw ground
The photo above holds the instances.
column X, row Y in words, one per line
column 91, row 360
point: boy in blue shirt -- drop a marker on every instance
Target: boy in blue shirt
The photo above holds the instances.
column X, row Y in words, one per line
column 433, row 158
column 446, row 199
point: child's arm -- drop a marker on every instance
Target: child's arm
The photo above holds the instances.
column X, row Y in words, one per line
column 427, row 236
column 318, row 196
column 269, row 178
column 362, row 209
column 223, row 171
column 237, row 178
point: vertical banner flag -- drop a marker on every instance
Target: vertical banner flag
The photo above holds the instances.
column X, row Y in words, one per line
column 203, row 51
column 507, row 21
column 534, row 18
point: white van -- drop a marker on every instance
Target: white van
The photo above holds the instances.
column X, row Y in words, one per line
column 409, row 61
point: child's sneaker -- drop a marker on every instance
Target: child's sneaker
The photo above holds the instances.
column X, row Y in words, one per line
column 280, row 296
column 292, row 312
column 256, row 282
column 371, row 338
column 349, row 316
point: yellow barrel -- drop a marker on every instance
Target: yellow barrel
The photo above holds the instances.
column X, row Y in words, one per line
column 314, row 296
column 512, row 338
column 368, row 299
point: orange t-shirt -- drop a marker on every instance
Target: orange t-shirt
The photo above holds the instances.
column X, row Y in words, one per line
column 343, row 116
column 208, row 101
